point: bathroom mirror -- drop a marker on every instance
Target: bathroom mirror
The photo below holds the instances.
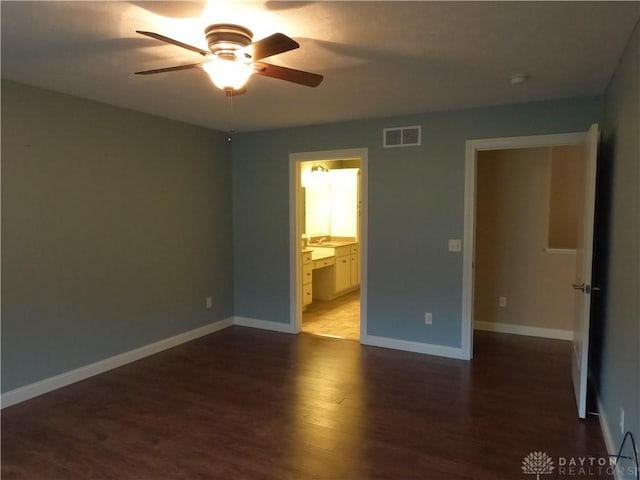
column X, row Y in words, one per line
column 330, row 192
column 317, row 210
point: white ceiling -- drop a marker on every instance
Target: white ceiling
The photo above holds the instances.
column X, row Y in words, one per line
column 379, row 58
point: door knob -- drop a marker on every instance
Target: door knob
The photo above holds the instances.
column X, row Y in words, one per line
column 583, row 287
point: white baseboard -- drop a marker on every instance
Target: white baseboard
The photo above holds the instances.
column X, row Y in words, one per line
column 263, row 324
column 606, row 434
column 67, row 378
column 409, row 346
column 41, row 387
column 524, row 330
column 612, row 448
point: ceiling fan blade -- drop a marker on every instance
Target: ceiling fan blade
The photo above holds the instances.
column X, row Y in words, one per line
column 169, row 69
column 267, row 47
column 178, row 43
column 289, row 74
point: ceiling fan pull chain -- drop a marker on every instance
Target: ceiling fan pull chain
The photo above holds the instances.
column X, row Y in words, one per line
column 230, row 110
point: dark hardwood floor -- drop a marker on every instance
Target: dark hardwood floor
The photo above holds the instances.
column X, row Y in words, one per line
column 248, row 404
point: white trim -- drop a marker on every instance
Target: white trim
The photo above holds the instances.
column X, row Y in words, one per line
column 363, row 245
column 524, row 330
column 532, row 141
column 409, row 346
column 472, row 148
column 468, row 250
column 264, row 324
column 606, row 431
column 560, row 251
column 72, row 376
column 295, row 279
column 295, row 159
column 609, row 443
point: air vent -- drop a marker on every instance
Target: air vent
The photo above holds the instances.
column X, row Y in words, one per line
column 402, row 136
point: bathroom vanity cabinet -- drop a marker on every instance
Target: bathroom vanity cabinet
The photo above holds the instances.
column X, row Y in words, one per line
column 334, row 276
column 307, row 279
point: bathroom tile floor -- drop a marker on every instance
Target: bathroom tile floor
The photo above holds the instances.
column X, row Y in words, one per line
column 339, row 318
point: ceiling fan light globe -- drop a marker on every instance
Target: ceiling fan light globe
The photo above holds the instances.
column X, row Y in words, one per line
column 228, row 74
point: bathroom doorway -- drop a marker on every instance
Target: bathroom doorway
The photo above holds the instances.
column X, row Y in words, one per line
column 328, row 288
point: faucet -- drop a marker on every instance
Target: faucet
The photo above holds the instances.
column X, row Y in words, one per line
column 321, row 240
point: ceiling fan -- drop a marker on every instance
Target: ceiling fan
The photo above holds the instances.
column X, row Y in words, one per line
column 233, row 58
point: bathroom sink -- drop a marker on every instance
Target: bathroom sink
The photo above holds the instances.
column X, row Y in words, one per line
column 321, row 252
column 330, row 244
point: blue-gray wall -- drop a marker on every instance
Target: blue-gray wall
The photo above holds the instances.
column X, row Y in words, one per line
column 618, row 360
column 416, row 197
column 116, row 226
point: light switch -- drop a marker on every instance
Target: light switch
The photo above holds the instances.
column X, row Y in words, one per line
column 455, row 245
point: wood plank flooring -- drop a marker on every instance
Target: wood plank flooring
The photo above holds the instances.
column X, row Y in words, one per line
column 338, row 318
column 248, row 404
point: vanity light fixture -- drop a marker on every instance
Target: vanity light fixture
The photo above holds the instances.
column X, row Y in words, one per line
column 316, row 177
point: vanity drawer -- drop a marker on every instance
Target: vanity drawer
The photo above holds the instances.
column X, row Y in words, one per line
column 324, row 262
column 341, row 251
column 353, row 248
column 306, row 258
column 307, row 270
column 307, row 294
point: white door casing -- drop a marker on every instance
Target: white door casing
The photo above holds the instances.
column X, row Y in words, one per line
column 295, row 228
column 584, row 255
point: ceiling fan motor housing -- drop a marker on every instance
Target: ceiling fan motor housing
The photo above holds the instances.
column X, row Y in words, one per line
column 227, row 37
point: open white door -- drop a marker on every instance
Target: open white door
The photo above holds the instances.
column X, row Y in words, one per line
column 582, row 285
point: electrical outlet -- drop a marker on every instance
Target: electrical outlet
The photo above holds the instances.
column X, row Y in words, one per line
column 428, row 318
column 455, row 245
column 503, row 301
column 209, row 302
column 622, row 420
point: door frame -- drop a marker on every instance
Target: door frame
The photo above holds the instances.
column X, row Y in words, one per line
column 468, row 257
column 295, row 228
